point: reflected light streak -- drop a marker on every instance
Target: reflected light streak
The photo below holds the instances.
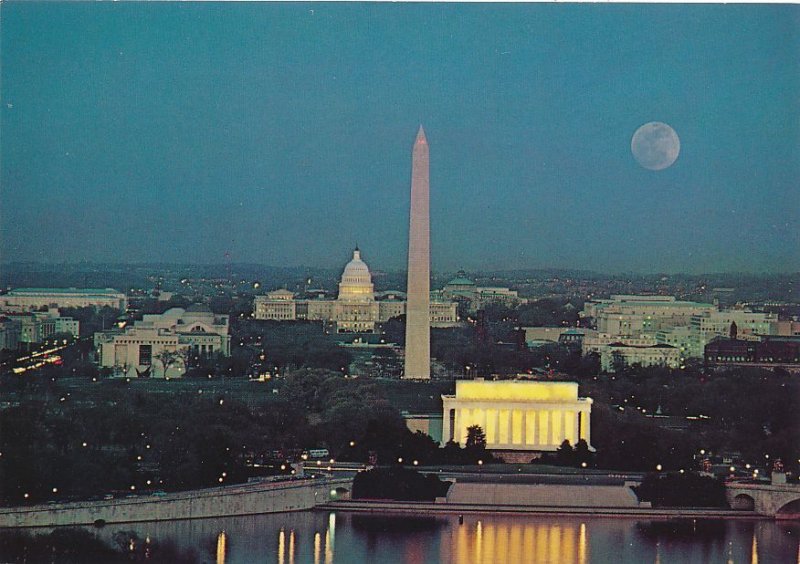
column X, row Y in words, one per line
column 518, row 541
column 582, row 544
column 553, row 543
column 317, row 547
column 221, row 540
column 281, row 547
column 291, row 546
column 479, row 541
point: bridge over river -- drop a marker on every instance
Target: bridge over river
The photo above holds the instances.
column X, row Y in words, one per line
column 781, row 501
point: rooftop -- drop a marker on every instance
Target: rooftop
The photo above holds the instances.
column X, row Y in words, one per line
column 93, row 291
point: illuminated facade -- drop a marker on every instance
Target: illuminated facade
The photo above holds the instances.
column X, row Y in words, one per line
column 160, row 345
column 357, row 309
column 25, row 299
column 517, row 415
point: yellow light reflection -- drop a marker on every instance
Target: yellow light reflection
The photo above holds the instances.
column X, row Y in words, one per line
column 554, row 544
column 317, row 547
column 478, row 540
column 754, row 549
column 221, row 540
column 517, row 540
column 281, row 547
column 291, row 546
column 330, row 539
column 582, row 544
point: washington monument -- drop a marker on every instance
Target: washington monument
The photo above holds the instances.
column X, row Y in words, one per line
column 418, row 323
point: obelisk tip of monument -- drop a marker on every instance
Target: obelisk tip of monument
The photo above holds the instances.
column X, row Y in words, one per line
column 421, row 135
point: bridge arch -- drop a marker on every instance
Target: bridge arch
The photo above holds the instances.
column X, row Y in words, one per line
column 790, row 508
column 743, row 501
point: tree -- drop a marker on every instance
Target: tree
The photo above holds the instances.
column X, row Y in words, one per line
column 565, row 456
column 167, row 358
column 476, row 438
column 582, row 453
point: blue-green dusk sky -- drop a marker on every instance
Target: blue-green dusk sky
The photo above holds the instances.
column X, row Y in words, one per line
column 282, row 134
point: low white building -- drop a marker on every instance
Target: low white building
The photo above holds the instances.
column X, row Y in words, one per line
column 517, row 415
column 749, row 325
column 26, row 299
column 652, row 355
column 476, row 297
column 162, row 345
column 36, row 326
column 633, row 315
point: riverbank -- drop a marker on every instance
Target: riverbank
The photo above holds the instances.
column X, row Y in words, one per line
column 241, row 499
column 425, row 508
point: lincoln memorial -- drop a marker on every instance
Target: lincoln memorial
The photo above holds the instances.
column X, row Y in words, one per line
column 517, row 415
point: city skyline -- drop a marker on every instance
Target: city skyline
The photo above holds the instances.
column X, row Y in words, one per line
column 156, row 134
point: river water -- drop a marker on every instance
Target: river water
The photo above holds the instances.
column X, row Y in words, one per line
column 337, row 537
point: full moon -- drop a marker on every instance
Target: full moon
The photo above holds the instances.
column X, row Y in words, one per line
column 655, row 145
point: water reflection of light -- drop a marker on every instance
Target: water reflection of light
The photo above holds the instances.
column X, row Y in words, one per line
column 291, row 546
column 317, row 547
column 754, row 550
column 518, row 541
column 281, row 546
column 221, row 539
column 330, row 538
column 582, row 544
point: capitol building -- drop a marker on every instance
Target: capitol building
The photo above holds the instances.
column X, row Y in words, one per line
column 357, row 309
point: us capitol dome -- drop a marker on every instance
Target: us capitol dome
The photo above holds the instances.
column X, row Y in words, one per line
column 356, row 284
column 356, row 309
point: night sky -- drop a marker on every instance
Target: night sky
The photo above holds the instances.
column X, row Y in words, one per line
column 282, row 134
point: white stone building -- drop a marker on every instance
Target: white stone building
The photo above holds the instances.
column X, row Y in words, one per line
column 749, row 325
column 36, row 326
column 161, row 345
column 517, row 415
column 358, row 308
column 652, row 355
column 475, row 297
column 633, row 315
column 26, row 299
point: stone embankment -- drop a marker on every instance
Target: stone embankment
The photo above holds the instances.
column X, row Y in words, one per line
column 242, row 499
